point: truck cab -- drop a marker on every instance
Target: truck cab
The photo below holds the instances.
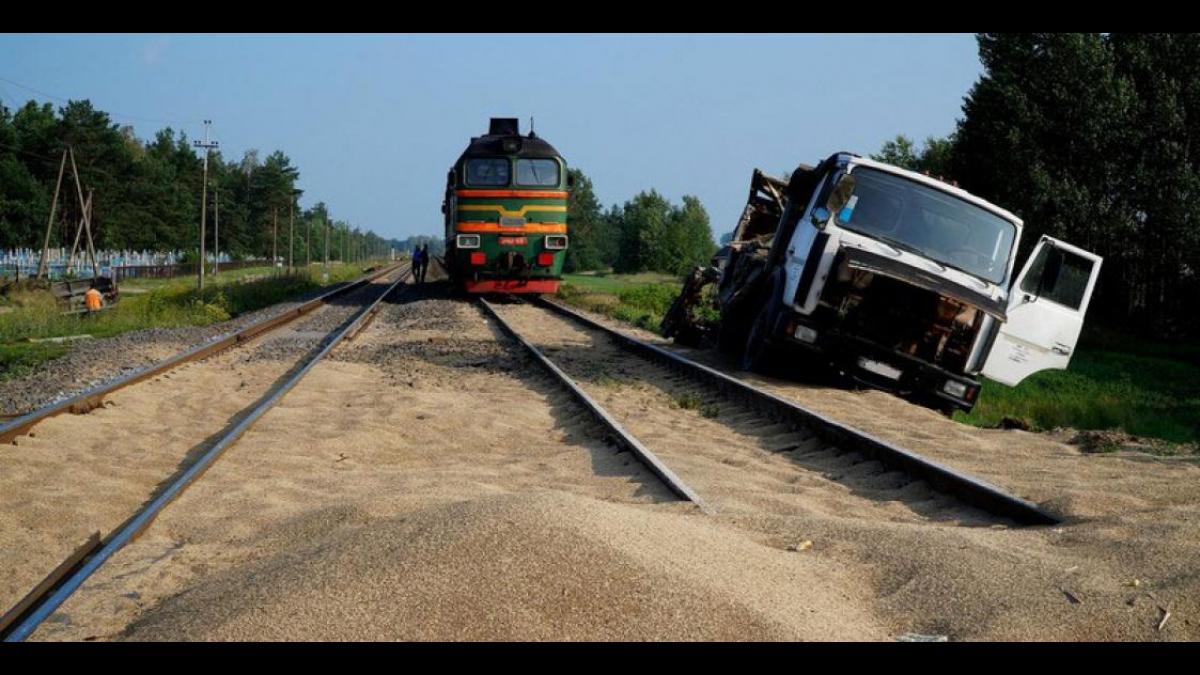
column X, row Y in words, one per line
column 898, row 280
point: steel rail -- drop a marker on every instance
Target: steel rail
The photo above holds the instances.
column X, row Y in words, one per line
column 58, row 592
column 92, row 398
column 967, row 488
column 621, row 435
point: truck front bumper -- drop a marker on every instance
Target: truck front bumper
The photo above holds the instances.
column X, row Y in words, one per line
column 877, row 366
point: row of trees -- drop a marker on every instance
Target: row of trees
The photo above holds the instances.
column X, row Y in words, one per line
column 147, row 194
column 1095, row 139
column 648, row 232
column 436, row 244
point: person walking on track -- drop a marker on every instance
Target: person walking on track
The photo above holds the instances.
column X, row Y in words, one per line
column 418, row 265
column 424, row 262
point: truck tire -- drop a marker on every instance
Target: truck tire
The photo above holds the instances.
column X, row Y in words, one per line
column 759, row 351
column 731, row 336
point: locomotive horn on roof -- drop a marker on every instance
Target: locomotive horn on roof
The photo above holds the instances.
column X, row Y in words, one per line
column 504, row 126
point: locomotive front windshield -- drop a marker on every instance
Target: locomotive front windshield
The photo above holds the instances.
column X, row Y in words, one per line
column 929, row 222
column 488, row 171
column 537, row 172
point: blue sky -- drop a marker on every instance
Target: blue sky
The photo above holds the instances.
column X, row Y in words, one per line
column 374, row 122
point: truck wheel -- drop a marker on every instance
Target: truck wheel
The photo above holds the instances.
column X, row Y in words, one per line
column 731, row 335
column 758, row 352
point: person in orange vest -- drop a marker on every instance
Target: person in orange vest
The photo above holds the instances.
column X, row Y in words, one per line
column 93, row 300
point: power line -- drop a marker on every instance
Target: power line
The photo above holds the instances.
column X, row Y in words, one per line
column 110, row 113
column 86, row 169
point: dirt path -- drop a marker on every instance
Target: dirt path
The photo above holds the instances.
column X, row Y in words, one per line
column 78, row 474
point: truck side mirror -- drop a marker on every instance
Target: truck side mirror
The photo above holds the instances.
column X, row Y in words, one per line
column 570, row 181
column 451, row 178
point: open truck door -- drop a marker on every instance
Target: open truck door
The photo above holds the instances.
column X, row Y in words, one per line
column 1045, row 312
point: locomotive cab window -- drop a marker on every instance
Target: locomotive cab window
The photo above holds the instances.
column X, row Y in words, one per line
column 537, row 172
column 488, row 171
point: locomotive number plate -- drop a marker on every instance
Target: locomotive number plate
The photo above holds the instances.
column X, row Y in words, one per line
column 513, row 241
column 510, row 221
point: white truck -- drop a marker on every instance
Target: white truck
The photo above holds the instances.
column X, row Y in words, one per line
column 896, row 279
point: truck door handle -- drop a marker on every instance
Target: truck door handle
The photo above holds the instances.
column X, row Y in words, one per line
column 1061, row 349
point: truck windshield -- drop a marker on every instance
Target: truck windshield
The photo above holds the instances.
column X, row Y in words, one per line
column 929, row 222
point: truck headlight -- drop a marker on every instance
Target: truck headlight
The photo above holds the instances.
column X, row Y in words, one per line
column 955, row 389
column 467, row 241
column 805, row 334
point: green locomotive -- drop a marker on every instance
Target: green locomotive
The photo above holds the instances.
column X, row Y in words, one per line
column 506, row 213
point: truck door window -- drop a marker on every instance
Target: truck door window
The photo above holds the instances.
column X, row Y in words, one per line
column 1059, row 276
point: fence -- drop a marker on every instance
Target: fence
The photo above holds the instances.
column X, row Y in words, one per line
column 23, row 263
column 122, row 272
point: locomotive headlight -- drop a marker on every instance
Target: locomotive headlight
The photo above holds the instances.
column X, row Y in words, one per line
column 556, row 242
column 511, row 145
column 467, row 241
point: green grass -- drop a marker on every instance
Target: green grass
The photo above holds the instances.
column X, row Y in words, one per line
column 688, row 401
column 21, row 359
column 165, row 303
column 1134, row 389
column 640, row 299
column 691, row 401
column 224, row 277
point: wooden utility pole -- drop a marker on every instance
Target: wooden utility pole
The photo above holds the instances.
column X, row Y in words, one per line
column 216, row 230
column 87, row 214
column 86, row 225
column 206, row 146
column 308, row 247
column 78, row 234
column 50, row 223
column 291, row 237
column 326, row 246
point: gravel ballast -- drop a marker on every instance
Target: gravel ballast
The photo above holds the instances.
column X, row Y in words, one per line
column 90, row 363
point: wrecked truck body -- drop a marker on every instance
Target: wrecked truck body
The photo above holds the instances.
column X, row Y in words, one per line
column 898, row 280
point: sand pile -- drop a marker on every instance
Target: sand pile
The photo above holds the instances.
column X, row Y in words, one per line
column 78, row 474
column 426, row 483
column 542, row 565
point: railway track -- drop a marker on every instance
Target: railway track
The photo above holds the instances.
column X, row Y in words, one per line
column 21, row 424
column 620, row 435
column 19, row 622
column 766, row 426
